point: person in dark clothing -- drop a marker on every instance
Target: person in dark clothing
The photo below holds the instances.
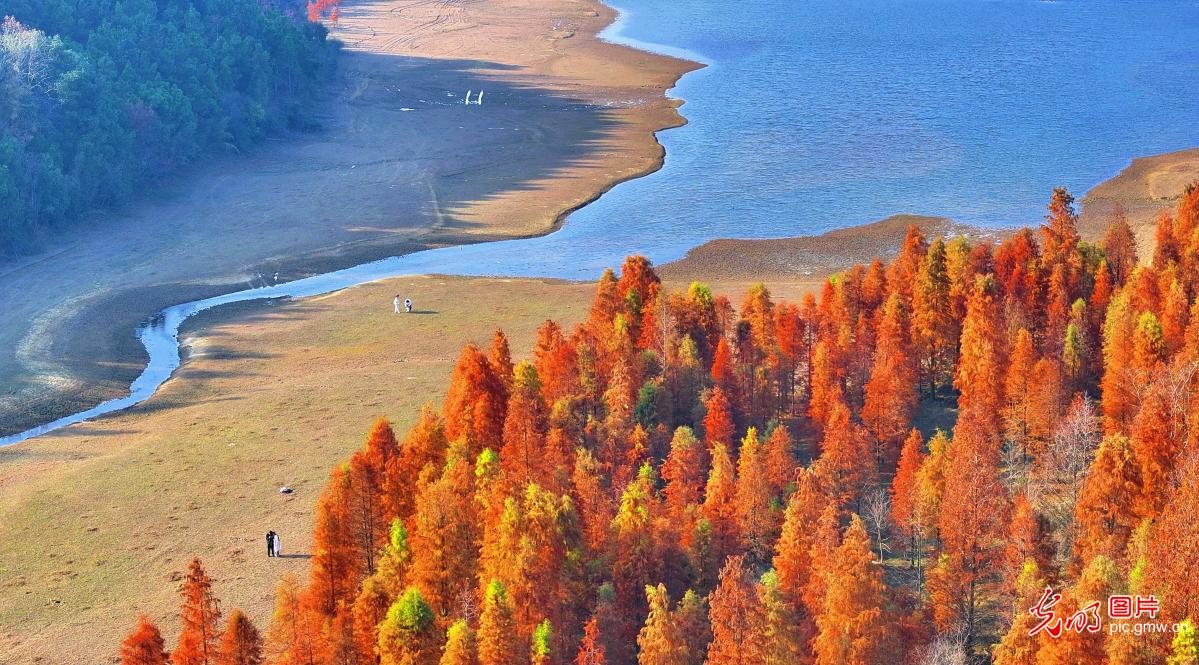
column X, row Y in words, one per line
column 270, row 543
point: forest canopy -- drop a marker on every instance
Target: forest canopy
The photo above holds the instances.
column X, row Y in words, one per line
column 97, row 96
column 677, row 481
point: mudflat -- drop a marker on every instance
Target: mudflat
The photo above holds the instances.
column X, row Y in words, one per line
column 399, row 163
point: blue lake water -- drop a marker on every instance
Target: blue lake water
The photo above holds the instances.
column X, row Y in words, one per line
column 817, row 114
column 820, row 114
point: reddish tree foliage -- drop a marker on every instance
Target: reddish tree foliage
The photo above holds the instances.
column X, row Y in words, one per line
column 718, row 421
column 444, row 535
column 551, row 485
column 522, row 455
column 781, row 465
column 891, row 392
column 853, row 626
column 737, row 618
column 144, row 646
column 974, row 512
column 425, row 445
column 1120, row 246
column 327, row 10
column 241, row 644
column 1111, row 501
column 200, row 616
column 753, row 500
column 474, row 404
column 336, row 567
column 980, row 368
column 591, row 652
column 904, row 497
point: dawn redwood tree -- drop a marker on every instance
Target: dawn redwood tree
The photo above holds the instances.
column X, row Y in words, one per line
column 934, row 330
column 1156, row 443
column 381, row 590
column 825, row 381
column 891, row 392
column 980, row 373
column 1173, row 545
column 144, row 646
column 720, row 504
column 637, row 554
column 499, row 642
column 200, row 616
column 660, row 640
column 974, row 510
column 783, row 638
column 1110, row 504
column 424, row 445
column 718, row 420
column 678, row 637
column 296, row 636
column 781, row 466
column 1017, row 262
column 754, row 501
column 605, row 307
column 444, row 536
column 822, row 556
column 1175, row 317
column 1120, row 246
column 930, row 482
column 241, row 644
column 591, row 651
column 500, row 360
column 556, row 362
column 904, row 494
column 460, row 647
column 409, row 635
column 522, row 456
column 684, row 473
column 337, row 568
column 903, row 271
column 844, row 463
column 853, row 625
column 1021, row 409
column 475, row 407
column 737, row 617
column 1098, row 581
column 527, row 552
column 1028, row 541
column 1017, row 647
column 1059, row 240
column 367, row 510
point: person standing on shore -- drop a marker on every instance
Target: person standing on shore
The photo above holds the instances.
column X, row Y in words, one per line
column 278, row 544
column 270, row 543
column 396, row 303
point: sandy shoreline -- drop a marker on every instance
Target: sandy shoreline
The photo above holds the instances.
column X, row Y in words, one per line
column 401, row 165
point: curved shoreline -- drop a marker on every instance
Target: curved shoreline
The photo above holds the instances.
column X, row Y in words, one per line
column 159, row 336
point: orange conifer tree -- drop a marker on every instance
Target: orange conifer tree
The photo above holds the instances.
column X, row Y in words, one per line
column 891, row 392
column 753, row 500
column 737, row 618
column 854, row 628
column 241, row 644
column 200, row 615
column 905, row 496
column 144, row 646
column 474, row 404
column 499, row 643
